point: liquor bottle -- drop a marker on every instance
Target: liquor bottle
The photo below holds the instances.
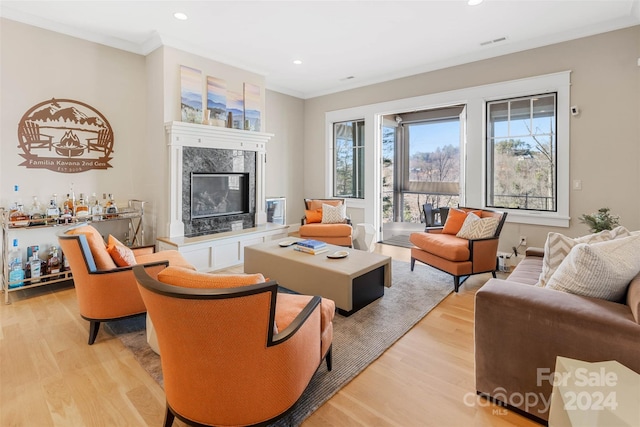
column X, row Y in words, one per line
column 96, row 208
column 36, row 213
column 18, row 218
column 16, row 273
column 82, row 209
column 53, row 211
column 111, row 210
column 35, row 265
column 66, row 215
column 53, row 261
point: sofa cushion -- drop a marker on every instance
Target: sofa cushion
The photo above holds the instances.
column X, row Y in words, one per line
column 475, row 227
column 97, row 246
column 557, row 247
column 325, row 230
column 445, row 246
column 288, row 306
column 121, row 254
column 186, row 278
column 334, row 214
column 314, row 204
column 455, row 219
column 600, row 270
column 313, row 216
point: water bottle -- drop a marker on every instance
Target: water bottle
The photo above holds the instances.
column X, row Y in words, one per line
column 16, row 273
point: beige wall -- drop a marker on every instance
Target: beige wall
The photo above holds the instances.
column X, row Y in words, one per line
column 285, row 151
column 38, row 65
column 605, row 138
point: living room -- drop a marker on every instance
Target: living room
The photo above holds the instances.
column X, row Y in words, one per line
column 140, row 94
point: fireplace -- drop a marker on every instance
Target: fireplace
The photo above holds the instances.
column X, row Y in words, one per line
column 234, row 158
column 219, row 194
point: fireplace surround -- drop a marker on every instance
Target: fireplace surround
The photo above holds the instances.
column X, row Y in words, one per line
column 202, row 149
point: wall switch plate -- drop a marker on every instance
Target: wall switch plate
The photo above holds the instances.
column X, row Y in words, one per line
column 577, row 184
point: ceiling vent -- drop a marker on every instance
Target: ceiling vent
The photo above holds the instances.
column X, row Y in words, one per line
column 488, row 42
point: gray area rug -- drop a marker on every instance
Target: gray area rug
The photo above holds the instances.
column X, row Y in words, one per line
column 358, row 340
column 398, row 240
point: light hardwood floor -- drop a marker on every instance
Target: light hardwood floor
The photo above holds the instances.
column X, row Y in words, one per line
column 50, row 376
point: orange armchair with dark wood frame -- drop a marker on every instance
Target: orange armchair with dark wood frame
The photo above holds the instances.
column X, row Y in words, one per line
column 106, row 290
column 234, row 350
column 331, row 228
column 466, row 244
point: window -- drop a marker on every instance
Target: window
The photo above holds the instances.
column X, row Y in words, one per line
column 348, row 161
column 522, row 153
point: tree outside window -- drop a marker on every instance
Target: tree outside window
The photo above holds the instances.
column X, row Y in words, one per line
column 348, row 174
column 521, row 153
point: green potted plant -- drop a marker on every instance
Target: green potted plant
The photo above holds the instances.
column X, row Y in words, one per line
column 601, row 220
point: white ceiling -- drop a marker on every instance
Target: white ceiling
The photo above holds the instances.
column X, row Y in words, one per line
column 372, row 41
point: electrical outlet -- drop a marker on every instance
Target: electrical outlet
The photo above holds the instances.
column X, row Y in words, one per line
column 523, row 240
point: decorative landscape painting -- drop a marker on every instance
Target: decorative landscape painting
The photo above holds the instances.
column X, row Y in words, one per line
column 217, row 101
column 191, row 94
column 235, row 110
column 252, row 107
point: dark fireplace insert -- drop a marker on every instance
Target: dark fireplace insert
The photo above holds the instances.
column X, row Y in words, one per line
column 219, row 194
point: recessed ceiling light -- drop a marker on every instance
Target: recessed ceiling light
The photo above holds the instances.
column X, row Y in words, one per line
column 474, row 2
column 181, row 16
column 297, row 61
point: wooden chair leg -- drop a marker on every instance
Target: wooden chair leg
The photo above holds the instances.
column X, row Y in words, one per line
column 456, row 283
column 168, row 418
column 329, row 358
column 493, row 273
column 413, row 263
column 94, row 327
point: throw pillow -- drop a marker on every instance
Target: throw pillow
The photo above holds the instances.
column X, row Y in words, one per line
column 334, row 214
column 558, row 246
column 313, row 216
column 599, row 270
column 121, row 254
column 180, row 276
column 96, row 245
column 475, row 227
column 455, row 219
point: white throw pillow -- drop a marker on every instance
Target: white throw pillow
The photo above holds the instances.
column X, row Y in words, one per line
column 558, row 246
column 600, row 270
column 334, row 214
column 475, row 227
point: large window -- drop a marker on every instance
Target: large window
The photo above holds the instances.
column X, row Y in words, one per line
column 348, row 161
column 521, row 153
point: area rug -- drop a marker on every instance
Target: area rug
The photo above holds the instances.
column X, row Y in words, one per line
column 358, row 340
column 398, row 240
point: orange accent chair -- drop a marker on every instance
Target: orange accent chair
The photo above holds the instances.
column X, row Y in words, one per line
column 234, row 350
column 311, row 226
column 460, row 257
column 105, row 291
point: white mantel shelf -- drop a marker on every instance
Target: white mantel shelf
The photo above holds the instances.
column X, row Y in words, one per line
column 181, row 134
column 196, row 135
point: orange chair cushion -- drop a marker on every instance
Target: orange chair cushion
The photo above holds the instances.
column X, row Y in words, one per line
column 315, row 204
column 455, row 219
column 325, row 230
column 173, row 256
column 443, row 245
column 180, row 276
column 120, row 253
column 288, row 306
column 313, row 216
column 97, row 246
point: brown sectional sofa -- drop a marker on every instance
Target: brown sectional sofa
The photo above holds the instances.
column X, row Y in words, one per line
column 520, row 328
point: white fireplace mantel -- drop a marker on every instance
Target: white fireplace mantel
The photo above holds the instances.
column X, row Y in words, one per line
column 181, row 135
